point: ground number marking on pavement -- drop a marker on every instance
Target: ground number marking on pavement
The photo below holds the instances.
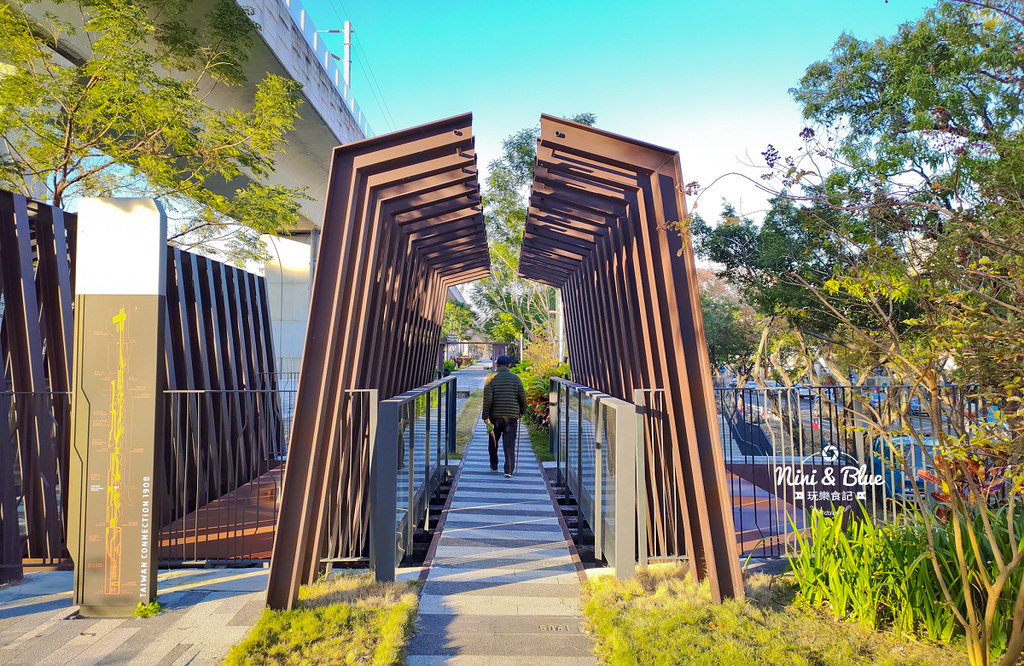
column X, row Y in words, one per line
column 554, row 627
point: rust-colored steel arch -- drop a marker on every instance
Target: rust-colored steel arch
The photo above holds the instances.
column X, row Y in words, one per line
column 598, row 228
column 403, row 223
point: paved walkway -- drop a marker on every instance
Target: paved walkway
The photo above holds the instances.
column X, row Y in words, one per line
column 206, row 611
column 502, row 588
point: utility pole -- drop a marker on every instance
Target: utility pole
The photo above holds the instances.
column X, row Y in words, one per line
column 347, row 62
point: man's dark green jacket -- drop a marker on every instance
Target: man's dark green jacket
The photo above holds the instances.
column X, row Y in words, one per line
column 504, row 395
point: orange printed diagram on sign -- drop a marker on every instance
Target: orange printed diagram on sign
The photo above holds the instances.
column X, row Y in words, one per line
column 112, row 582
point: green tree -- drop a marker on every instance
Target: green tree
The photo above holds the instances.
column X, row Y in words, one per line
column 729, row 323
column 458, row 320
column 898, row 238
column 506, row 301
column 129, row 118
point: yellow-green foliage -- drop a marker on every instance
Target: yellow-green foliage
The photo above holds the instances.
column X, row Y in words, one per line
column 662, row 617
column 344, row 619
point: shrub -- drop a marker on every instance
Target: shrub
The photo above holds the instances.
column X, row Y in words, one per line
column 343, row 619
column 883, row 576
column 537, row 385
column 663, row 617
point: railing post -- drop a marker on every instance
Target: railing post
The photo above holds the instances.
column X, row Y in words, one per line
column 579, row 458
column 598, row 526
column 640, row 478
column 384, row 487
column 625, row 490
column 553, row 393
column 453, row 391
column 410, row 523
column 568, row 421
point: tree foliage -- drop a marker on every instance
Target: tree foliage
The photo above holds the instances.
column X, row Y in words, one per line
column 897, row 241
column 729, row 323
column 458, row 320
column 510, row 305
column 130, row 117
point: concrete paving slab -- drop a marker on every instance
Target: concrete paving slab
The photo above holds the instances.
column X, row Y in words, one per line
column 499, row 605
column 491, row 660
column 205, row 612
column 472, row 588
column 502, row 587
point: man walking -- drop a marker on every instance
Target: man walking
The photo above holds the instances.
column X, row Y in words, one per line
column 504, row 405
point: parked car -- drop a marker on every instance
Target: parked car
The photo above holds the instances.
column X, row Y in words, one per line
column 805, row 392
column 898, row 484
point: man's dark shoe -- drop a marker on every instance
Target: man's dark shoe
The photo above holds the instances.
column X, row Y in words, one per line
column 507, row 475
column 494, row 469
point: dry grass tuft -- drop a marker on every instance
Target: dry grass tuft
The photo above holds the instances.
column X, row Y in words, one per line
column 663, row 617
column 343, row 619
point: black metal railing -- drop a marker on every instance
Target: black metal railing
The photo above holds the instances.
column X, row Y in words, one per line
column 414, row 433
column 222, row 467
column 789, row 450
column 33, row 496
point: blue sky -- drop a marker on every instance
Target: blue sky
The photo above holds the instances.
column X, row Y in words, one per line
column 708, row 79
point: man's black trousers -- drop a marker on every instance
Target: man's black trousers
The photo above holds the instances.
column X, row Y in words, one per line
column 506, row 429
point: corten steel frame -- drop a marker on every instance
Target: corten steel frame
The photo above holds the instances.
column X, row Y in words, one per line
column 598, row 228
column 36, row 283
column 218, row 340
column 403, row 223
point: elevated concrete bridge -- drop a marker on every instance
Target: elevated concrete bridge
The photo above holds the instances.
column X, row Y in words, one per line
column 288, row 45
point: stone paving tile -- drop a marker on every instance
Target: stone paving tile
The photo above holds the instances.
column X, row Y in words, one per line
column 473, row 588
column 490, row 660
column 502, row 588
column 205, row 613
column 543, row 550
column 478, row 541
column 498, row 519
column 499, row 605
column 493, row 531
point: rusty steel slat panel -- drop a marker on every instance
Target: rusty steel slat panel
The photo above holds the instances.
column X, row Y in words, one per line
column 606, row 202
column 39, row 317
column 402, row 221
column 216, row 439
column 10, row 537
column 53, row 288
column 24, row 339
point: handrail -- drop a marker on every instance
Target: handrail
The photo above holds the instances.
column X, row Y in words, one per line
column 393, row 453
column 614, row 424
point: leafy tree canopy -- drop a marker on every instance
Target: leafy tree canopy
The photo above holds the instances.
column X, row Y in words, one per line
column 129, row 117
column 458, row 320
column 510, row 305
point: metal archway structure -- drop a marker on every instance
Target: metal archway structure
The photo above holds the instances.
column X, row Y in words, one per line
column 599, row 228
column 403, row 222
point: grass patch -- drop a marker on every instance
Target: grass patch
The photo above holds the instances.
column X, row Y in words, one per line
column 465, row 421
column 662, row 617
column 540, row 441
column 344, row 619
